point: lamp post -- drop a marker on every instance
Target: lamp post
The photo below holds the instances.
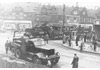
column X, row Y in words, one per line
column 63, row 19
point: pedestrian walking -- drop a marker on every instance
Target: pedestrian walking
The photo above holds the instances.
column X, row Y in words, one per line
column 75, row 61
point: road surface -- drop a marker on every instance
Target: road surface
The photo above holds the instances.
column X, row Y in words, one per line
column 66, row 56
column 85, row 60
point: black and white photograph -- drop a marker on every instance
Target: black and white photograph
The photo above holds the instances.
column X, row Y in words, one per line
column 49, row 34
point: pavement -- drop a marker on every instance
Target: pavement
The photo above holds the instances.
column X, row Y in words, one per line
column 88, row 47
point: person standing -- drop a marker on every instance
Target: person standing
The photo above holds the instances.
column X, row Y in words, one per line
column 75, row 61
column 47, row 38
column 85, row 39
column 77, row 39
column 94, row 43
column 64, row 39
column 81, row 46
column 69, row 39
column 6, row 46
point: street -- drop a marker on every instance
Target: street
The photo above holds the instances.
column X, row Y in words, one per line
column 86, row 60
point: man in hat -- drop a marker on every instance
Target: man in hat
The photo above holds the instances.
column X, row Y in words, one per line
column 75, row 61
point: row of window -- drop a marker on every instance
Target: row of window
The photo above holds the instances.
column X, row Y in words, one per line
column 86, row 20
column 67, row 18
column 72, row 19
column 76, row 19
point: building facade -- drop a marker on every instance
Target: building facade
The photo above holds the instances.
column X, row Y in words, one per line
column 74, row 16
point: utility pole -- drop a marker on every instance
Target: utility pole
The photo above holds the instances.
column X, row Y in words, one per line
column 63, row 19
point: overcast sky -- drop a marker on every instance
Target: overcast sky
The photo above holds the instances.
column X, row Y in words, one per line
column 81, row 3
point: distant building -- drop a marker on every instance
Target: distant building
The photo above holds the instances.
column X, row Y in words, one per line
column 38, row 14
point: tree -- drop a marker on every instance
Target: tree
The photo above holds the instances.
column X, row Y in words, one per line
column 17, row 9
column 17, row 12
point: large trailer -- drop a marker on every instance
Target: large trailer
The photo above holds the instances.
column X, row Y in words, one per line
column 54, row 31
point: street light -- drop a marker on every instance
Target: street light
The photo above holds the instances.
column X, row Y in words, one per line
column 63, row 19
column 63, row 14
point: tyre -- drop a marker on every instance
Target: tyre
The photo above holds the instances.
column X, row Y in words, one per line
column 63, row 42
column 18, row 53
column 36, row 59
column 13, row 51
column 56, row 61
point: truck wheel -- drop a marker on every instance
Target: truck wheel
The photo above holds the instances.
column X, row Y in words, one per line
column 13, row 51
column 56, row 61
column 63, row 42
column 18, row 53
column 36, row 59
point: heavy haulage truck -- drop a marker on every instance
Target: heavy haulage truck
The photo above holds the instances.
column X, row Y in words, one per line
column 25, row 47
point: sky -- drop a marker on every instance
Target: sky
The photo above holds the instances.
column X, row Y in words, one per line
column 82, row 3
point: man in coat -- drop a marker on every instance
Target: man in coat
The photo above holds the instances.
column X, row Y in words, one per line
column 46, row 38
column 69, row 40
column 77, row 39
column 94, row 42
column 64, row 39
column 81, row 46
column 85, row 39
column 75, row 61
column 6, row 46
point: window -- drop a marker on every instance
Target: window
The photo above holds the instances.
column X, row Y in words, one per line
column 38, row 16
column 13, row 14
column 68, row 19
column 21, row 14
column 75, row 19
column 97, row 22
column 37, row 19
column 75, row 12
column 25, row 15
column 87, row 19
column 83, row 19
column 90, row 20
column 84, row 12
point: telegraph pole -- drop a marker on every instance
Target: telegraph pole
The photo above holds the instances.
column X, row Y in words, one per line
column 63, row 19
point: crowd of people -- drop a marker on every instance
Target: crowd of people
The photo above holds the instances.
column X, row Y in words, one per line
column 80, row 38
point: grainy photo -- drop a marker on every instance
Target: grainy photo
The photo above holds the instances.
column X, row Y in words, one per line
column 63, row 34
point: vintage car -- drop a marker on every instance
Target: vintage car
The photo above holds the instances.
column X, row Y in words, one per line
column 25, row 47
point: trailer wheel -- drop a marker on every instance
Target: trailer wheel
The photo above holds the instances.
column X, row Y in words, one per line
column 36, row 59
